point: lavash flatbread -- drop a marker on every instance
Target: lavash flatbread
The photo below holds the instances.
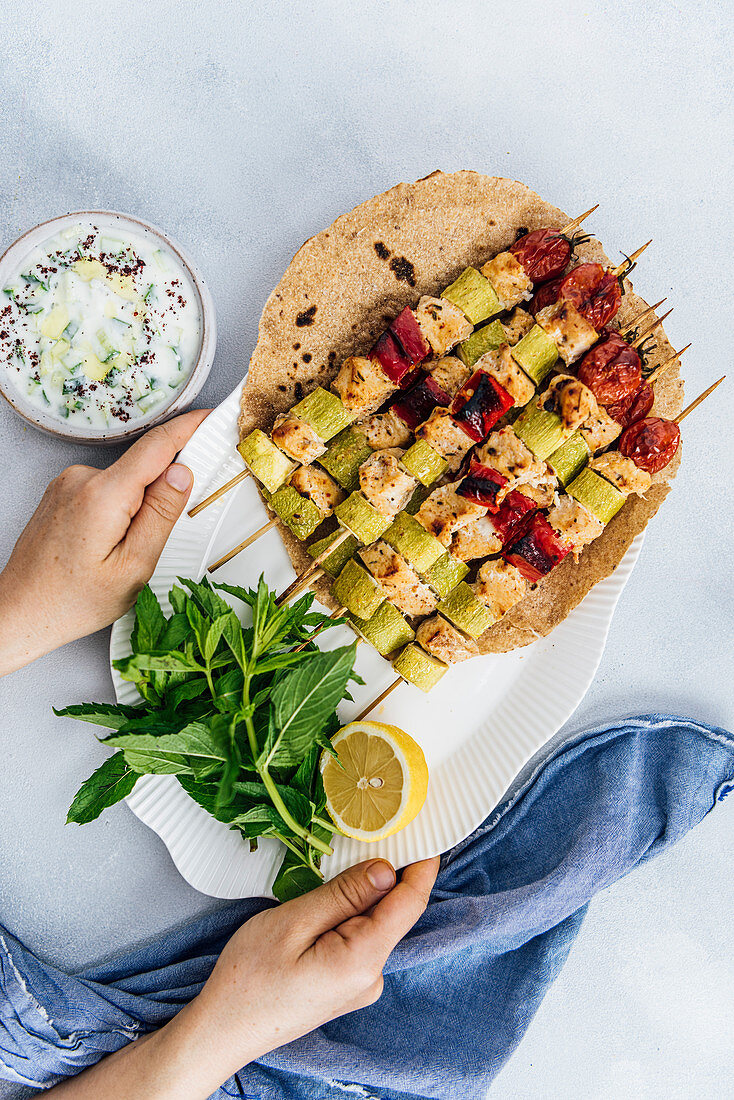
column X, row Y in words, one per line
column 348, row 282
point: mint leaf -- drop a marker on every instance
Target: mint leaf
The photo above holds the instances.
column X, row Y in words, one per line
column 110, row 715
column 111, row 782
column 303, row 701
column 294, row 878
column 150, row 622
column 206, row 598
column 135, row 668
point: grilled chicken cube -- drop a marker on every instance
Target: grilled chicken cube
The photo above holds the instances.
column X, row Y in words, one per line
column 385, row 430
column 297, row 438
column 385, row 483
column 571, row 333
column 362, row 385
column 450, row 373
column 442, row 433
column 543, row 492
column 315, row 484
column 517, row 325
column 477, row 540
column 442, row 323
column 400, row 583
column 505, row 452
column 503, row 368
column 571, row 400
column 622, row 472
column 444, row 512
column 600, row 430
column 507, row 276
column 442, row 640
column 574, row 523
column 500, row 586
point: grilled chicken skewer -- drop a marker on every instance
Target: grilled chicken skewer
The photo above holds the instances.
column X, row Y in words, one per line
column 646, row 446
column 539, row 254
column 515, row 378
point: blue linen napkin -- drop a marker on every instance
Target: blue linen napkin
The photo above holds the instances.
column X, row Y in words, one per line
column 463, row 986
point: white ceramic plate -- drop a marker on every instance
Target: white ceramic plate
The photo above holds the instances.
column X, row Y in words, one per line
column 478, row 727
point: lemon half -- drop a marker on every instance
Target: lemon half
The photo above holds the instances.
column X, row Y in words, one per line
column 379, row 783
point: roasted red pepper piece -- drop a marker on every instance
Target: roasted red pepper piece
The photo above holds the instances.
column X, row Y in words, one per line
column 650, row 443
column 479, row 404
column 612, row 370
column 634, row 407
column 543, row 254
column 417, row 404
column 538, row 551
column 481, row 485
column 391, row 358
column 407, row 331
column 514, row 517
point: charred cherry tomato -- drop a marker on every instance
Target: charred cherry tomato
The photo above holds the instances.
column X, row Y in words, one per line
column 481, row 485
column 514, row 517
column 577, row 287
column 537, row 552
column 417, row 404
column 479, row 404
column 546, row 295
column 407, row 332
column 634, row 407
column 650, row 443
column 391, row 357
column 543, row 254
column 603, row 303
column 612, row 370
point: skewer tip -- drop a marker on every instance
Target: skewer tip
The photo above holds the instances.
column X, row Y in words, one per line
column 701, row 397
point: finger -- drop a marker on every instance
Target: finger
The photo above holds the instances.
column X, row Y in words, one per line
column 147, row 459
column 352, row 892
column 163, row 502
column 394, row 916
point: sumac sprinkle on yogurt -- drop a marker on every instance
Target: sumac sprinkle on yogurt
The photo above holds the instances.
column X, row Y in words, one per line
column 99, row 327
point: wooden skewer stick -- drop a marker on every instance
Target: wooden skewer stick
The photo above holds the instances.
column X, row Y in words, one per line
column 241, row 476
column 701, row 397
column 577, row 221
column 297, row 584
column 640, row 339
column 662, row 367
column 621, row 268
column 243, row 545
column 375, row 702
column 633, row 324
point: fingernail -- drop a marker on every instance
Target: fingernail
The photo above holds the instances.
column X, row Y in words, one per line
column 179, row 477
column 381, row 875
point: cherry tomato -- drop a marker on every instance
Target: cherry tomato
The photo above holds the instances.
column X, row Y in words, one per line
column 543, row 254
column 650, row 443
column 634, row 407
column 577, row 287
column 546, row 295
column 603, row 303
column 611, row 370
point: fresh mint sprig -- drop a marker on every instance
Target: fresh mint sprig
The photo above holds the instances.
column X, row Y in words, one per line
column 238, row 714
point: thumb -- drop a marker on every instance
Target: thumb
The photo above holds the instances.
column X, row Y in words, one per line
column 163, row 502
column 352, row 892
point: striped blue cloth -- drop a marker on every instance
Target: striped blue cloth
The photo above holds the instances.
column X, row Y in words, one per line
column 462, row 988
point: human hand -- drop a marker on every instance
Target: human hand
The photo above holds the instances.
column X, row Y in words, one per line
column 92, row 544
column 285, row 972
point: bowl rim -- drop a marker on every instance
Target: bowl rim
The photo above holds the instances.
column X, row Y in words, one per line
column 207, row 343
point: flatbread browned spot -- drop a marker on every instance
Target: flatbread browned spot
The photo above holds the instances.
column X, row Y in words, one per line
column 340, row 281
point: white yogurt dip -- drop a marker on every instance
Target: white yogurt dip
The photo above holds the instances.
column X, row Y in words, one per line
column 99, row 327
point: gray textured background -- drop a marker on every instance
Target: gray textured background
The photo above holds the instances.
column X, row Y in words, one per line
column 243, row 129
